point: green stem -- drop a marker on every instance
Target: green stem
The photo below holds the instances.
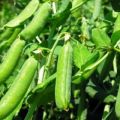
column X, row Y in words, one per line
column 51, row 35
column 47, row 66
column 106, row 112
column 79, row 5
column 96, row 63
column 30, row 111
column 116, row 49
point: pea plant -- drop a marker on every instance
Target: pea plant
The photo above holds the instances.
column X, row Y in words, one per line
column 59, row 60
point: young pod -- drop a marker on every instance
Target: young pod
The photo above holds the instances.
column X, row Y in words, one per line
column 11, row 59
column 63, row 78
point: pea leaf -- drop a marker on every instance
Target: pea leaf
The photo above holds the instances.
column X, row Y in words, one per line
column 80, row 54
column 100, row 38
column 91, row 59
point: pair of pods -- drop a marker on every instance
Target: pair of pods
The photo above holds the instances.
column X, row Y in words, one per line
column 42, row 12
column 19, row 88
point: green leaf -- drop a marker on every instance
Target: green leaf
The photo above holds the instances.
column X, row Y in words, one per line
column 91, row 59
column 100, row 38
column 80, row 54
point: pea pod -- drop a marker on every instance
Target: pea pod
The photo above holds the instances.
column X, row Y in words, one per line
column 11, row 59
column 24, row 15
column 16, row 70
column 6, row 34
column 38, row 22
column 13, row 37
column 19, row 88
column 63, row 78
column 8, row 42
column 14, row 112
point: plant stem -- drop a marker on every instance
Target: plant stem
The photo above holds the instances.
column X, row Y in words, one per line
column 47, row 66
column 79, row 5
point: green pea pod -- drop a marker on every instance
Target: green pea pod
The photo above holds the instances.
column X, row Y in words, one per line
column 11, row 59
column 38, row 22
column 13, row 37
column 19, row 88
column 117, row 104
column 24, row 15
column 116, row 32
column 8, row 42
column 63, row 78
column 6, row 34
column 14, row 112
column 16, row 70
column 100, row 38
